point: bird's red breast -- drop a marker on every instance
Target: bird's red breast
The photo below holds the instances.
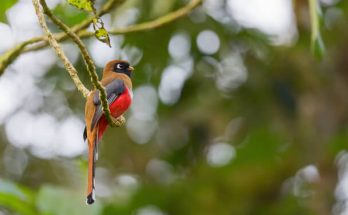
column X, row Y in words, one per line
column 117, row 108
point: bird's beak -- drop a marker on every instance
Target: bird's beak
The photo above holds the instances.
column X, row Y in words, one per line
column 131, row 69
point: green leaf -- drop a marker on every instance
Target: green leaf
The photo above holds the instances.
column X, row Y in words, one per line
column 3, row 7
column 100, row 32
column 103, row 36
column 317, row 43
column 86, row 5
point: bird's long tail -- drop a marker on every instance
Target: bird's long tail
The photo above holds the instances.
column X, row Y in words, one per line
column 92, row 158
column 93, row 139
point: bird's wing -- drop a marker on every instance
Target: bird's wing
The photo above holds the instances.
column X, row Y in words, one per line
column 113, row 90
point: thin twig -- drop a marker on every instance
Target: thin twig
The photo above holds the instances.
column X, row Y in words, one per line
column 87, row 58
column 54, row 44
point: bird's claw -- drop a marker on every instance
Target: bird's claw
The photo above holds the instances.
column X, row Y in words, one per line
column 120, row 121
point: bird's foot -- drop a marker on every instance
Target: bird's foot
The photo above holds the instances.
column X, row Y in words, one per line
column 119, row 121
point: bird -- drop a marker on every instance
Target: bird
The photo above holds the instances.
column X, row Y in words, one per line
column 117, row 81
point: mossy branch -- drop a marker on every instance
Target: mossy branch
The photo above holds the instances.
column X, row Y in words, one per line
column 87, row 59
column 54, row 44
column 7, row 58
column 82, row 33
column 11, row 55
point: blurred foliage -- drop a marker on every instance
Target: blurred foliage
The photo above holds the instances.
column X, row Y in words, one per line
column 69, row 15
column 317, row 43
column 290, row 113
column 4, row 6
column 82, row 4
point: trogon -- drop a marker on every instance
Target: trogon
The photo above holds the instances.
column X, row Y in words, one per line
column 118, row 86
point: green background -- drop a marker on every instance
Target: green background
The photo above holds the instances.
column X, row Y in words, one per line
column 289, row 117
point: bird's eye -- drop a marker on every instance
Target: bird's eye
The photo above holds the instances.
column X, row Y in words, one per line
column 120, row 66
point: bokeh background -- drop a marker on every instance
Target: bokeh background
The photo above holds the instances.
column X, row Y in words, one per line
column 232, row 113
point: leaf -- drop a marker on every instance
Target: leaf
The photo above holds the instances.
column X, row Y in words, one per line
column 5, row 5
column 103, row 36
column 86, row 5
column 100, row 32
column 317, row 43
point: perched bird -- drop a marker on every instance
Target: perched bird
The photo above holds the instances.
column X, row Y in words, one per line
column 118, row 86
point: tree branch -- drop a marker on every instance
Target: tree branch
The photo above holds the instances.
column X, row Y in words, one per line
column 159, row 22
column 54, row 44
column 7, row 58
column 150, row 25
column 88, row 61
column 11, row 55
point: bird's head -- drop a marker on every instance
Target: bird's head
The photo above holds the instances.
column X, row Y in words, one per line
column 118, row 67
